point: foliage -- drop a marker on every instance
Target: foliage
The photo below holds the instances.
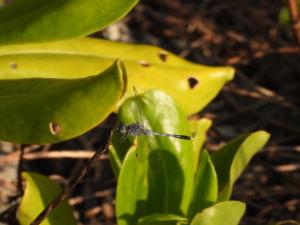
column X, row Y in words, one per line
column 28, row 21
column 75, row 60
column 284, row 13
column 168, row 182
column 38, row 193
column 47, row 103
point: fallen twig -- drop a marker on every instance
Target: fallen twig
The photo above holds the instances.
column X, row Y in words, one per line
column 54, row 154
column 66, row 191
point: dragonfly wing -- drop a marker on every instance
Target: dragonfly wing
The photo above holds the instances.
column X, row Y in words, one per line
column 132, row 109
column 135, row 107
column 138, row 108
column 145, row 140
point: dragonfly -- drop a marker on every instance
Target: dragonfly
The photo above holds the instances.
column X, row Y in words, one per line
column 138, row 128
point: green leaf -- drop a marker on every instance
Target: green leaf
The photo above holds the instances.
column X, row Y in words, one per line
column 147, row 67
column 205, row 187
column 284, row 16
column 163, row 219
column 164, row 182
column 231, row 160
column 199, row 129
column 39, row 192
column 26, row 21
column 132, row 190
column 47, row 110
column 117, row 152
column 229, row 212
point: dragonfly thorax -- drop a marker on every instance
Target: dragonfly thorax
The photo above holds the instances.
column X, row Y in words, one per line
column 136, row 129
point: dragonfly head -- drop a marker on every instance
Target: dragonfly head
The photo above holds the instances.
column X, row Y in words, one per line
column 122, row 128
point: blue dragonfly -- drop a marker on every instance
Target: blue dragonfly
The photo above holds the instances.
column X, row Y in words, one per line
column 139, row 129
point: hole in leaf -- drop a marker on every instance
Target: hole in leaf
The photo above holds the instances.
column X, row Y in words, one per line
column 144, row 63
column 13, row 65
column 163, row 56
column 192, row 82
column 54, row 128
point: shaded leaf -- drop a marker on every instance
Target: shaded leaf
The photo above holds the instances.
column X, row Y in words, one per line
column 164, row 219
column 132, row 190
column 25, row 21
column 206, row 185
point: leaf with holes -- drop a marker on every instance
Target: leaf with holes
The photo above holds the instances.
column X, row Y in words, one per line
column 47, row 110
column 26, row 21
column 39, row 192
column 193, row 86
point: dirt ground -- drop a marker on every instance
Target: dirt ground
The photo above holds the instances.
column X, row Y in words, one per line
column 245, row 34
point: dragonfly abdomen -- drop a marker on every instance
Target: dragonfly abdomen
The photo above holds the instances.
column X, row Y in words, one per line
column 185, row 137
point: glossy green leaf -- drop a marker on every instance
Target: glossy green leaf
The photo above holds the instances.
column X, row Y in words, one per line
column 27, row 21
column 199, row 129
column 228, row 212
column 117, row 152
column 147, row 67
column 205, row 186
column 39, row 192
column 115, row 160
column 163, row 219
column 231, row 160
column 132, row 190
column 164, row 182
column 47, row 110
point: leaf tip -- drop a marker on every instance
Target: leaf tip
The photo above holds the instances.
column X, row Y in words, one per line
column 263, row 135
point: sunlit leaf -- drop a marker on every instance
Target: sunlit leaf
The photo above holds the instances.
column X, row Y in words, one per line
column 47, row 110
column 39, row 192
column 199, row 129
column 231, row 160
column 147, row 67
column 228, row 212
column 164, row 182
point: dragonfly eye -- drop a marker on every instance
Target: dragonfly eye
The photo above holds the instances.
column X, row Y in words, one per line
column 121, row 128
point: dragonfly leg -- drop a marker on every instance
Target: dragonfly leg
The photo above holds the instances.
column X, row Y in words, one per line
column 123, row 138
